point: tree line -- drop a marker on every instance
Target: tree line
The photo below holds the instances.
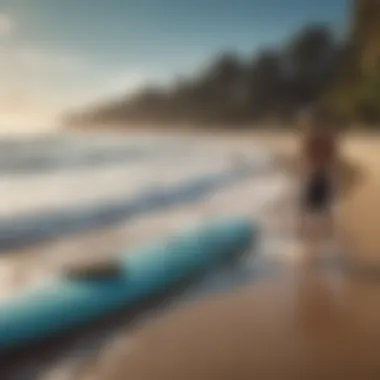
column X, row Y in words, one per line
column 312, row 69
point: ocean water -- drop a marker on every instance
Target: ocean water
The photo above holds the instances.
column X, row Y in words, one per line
column 73, row 209
column 67, row 196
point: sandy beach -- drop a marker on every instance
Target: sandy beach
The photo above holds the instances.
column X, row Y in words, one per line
column 307, row 323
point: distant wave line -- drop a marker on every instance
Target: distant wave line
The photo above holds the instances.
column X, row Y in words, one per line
column 21, row 231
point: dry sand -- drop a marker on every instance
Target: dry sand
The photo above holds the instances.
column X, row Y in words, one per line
column 309, row 323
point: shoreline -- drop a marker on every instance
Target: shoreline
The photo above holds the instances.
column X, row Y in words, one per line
column 133, row 233
column 246, row 341
column 249, row 332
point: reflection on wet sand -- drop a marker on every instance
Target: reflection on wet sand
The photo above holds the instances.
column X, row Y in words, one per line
column 300, row 326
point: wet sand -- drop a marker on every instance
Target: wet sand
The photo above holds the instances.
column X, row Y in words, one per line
column 299, row 326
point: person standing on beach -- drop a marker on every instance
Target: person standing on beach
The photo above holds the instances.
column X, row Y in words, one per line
column 319, row 162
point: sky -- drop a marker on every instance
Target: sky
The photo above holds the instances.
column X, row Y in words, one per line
column 59, row 54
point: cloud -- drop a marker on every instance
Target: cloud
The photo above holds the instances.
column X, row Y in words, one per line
column 6, row 24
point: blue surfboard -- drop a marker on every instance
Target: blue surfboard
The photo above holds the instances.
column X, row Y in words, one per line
column 63, row 303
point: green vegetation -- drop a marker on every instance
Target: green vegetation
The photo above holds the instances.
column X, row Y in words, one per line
column 356, row 97
column 313, row 69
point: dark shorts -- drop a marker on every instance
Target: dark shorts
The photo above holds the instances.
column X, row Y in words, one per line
column 318, row 193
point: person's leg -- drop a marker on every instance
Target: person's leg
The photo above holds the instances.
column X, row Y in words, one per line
column 305, row 223
column 320, row 221
column 327, row 228
column 326, row 224
column 303, row 207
